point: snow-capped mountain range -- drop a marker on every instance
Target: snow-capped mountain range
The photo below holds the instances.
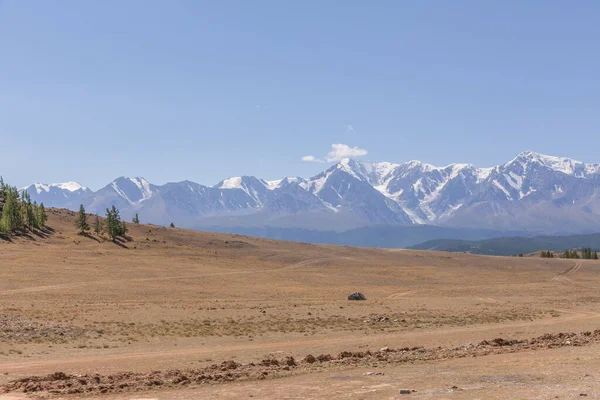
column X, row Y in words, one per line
column 532, row 192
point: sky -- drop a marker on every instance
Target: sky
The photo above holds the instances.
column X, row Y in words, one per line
column 205, row 90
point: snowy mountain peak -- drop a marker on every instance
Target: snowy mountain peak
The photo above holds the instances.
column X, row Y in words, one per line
column 68, row 186
column 351, row 167
column 420, row 165
column 57, row 194
column 231, row 183
column 133, row 190
column 255, row 188
column 565, row 165
column 278, row 183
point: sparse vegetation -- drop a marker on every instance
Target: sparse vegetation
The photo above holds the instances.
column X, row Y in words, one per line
column 546, row 254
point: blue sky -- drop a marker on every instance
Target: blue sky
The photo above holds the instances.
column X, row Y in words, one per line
column 199, row 90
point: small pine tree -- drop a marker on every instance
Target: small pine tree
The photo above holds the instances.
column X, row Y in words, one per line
column 97, row 225
column 136, row 219
column 17, row 211
column 26, row 210
column 81, row 221
column 113, row 223
column 31, row 220
column 595, row 255
column 41, row 216
column 110, row 224
column 172, row 225
column 520, row 254
column 35, row 213
column 124, row 229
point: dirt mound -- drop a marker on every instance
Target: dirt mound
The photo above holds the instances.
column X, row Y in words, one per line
column 60, row 383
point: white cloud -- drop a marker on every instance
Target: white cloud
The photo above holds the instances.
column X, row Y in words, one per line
column 349, row 129
column 338, row 151
column 312, row 159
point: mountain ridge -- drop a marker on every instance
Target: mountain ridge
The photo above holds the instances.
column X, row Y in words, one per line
column 532, row 191
column 512, row 245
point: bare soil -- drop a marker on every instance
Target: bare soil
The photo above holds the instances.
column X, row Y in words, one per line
column 171, row 313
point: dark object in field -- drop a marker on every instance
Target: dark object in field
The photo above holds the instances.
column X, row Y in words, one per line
column 357, row 296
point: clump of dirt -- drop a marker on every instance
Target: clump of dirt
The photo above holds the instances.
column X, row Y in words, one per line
column 24, row 330
column 60, row 383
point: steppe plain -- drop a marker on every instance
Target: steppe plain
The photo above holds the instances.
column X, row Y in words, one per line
column 179, row 314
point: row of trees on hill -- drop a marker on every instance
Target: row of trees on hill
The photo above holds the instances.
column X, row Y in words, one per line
column 18, row 213
column 114, row 226
column 586, row 254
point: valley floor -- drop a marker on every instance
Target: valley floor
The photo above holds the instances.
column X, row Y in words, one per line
column 176, row 314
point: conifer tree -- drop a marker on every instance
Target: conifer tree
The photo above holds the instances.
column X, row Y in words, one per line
column 595, row 255
column 81, row 221
column 31, row 220
column 172, row 225
column 110, row 224
column 24, row 209
column 42, row 217
column 35, row 212
column 136, row 219
column 124, row 229
column 10, row 213
column 97, row 225
column 114, row 225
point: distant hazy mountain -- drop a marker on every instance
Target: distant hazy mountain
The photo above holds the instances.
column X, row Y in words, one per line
column 506, row 246
column 532, row 192
column 385, row 236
